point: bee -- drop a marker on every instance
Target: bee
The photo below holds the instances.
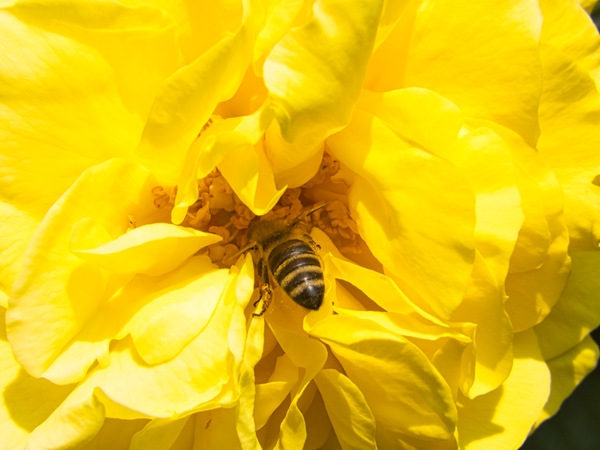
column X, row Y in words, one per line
column 287, row 254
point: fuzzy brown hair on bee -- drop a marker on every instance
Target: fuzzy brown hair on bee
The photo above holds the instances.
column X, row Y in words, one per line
column 287, row 254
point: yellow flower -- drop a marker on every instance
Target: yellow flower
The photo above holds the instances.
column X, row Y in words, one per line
column 453, row 143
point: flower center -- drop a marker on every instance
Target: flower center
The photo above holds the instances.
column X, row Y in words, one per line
column 219, row 210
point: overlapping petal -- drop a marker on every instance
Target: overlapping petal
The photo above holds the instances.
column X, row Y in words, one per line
column 207, row 370
column 314, row 75
column 405, row 219
column 152, row 249
column 452, row 143
column 26, row 401
column 567, row 371
column 405, row 393
column 57, row 293
column 187, row 98
column 506, row 415
column 444, row 56
column 71, row 98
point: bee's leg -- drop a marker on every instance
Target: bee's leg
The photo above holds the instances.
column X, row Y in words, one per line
column 311, row 242
column 265, row 290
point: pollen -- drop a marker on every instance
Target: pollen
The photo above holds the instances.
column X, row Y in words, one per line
column 218, row 210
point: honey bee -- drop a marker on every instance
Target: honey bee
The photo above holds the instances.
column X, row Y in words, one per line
column 287, row 254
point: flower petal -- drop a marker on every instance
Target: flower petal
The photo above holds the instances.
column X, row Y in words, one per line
column 216, row 429
column 483, row 306
column 489, row 166
column 245, row 423
column 442, row 57
column 347, row 409
column 87, row 54
column 201, row 377
column 315, row 72
column 504, row 417
column 115, row 434
column 26, row 401
column 215, row 143
column 307, row 353
column 571, row 107
column 271, row 394
column 588, row 4
column 119, row 34
column 576, row 314
column 413, row 113
column 71, row 425
column 404, row 218
column 168, row 322
column 403, row 390
column 16, row 228
column 187, row 99
column 532, row 294
column 567, row 371
column 146, row 307
column 571, row 30
column 248, row 172
column 159, row 434
column 152, row 249
column 56, row 293
column 203, row 374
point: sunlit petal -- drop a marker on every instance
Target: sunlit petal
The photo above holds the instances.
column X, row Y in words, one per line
column 507, row 414
column 152, row 249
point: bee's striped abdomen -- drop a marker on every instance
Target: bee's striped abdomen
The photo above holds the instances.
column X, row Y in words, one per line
column 297, row 269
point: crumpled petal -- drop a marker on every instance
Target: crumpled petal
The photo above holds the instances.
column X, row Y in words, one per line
column 160, row 319
column 87, row 55
column 162, row 327
column 203, row 376
column 405, row 219
column 152, row 249
column 57, row 293
column 403, row 390
column 314, row 74
column 187, row 99
column 248, row 171
column 504, row 417
column 212, row 147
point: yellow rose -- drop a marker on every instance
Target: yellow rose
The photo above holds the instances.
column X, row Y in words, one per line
column 453, row 143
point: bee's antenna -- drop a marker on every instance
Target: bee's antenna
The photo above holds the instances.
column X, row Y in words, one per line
column 305, row 214
column 247, row 248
